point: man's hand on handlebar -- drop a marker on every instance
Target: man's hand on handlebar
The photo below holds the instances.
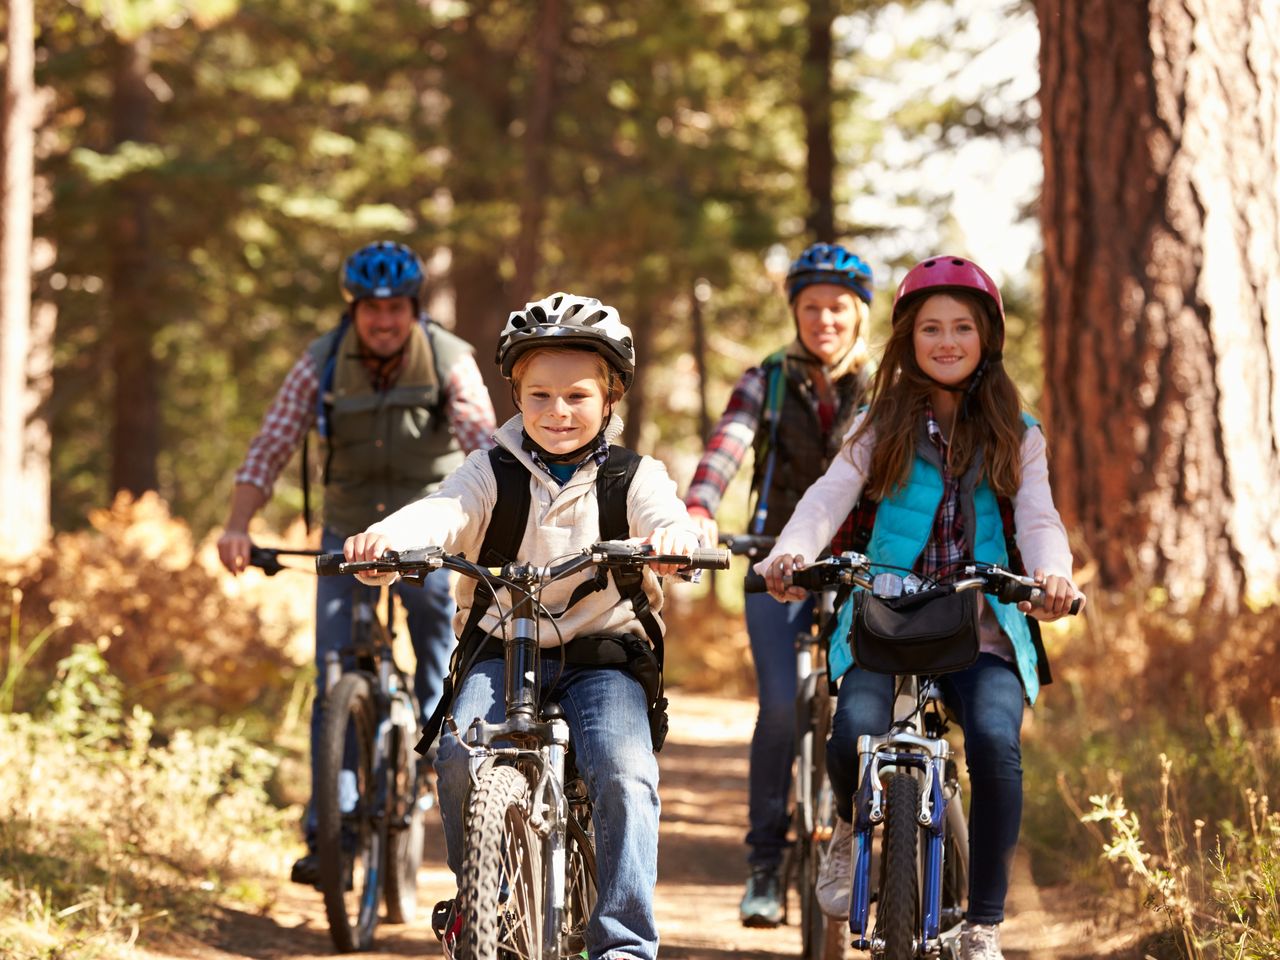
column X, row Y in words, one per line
column 369, row 546
column 1058, row 594
column 778, row 578
column 233, row 550
column 672, row 541
column 706, row 525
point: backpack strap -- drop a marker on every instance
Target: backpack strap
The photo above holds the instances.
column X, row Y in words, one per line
column 766, row 452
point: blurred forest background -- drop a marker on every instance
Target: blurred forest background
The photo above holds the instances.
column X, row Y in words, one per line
column 182, row 179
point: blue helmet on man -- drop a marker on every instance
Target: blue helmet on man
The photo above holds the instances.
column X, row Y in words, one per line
column 382, row 270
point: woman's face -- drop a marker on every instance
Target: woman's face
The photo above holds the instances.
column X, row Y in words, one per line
column 562, row 401
column 948, row 343
column 828, row 317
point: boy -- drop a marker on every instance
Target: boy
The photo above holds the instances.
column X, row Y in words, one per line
column 570, row 360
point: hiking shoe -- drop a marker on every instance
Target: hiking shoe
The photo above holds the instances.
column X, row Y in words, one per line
column 446, row 924
column 762, row 903
column 980, row 941
column 835, row 871
column 306, row 870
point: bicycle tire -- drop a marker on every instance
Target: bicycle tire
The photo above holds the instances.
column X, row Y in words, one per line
column 406, row 829
column 898, row 909
column 500, row 886
column 350, row 834
column 579, row 881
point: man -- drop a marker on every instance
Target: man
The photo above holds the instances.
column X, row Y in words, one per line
column 398, row 402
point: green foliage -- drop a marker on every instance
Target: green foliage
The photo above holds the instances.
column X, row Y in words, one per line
column 107, row 834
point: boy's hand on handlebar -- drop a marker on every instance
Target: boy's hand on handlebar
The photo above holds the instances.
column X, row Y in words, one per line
column 369, row 546
column 1059, row 593
column 672, row 541
column 778, row 578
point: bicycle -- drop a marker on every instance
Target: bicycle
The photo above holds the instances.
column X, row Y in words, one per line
column 528, row 879
column 369, row 802
column 908, row 784
column 813, row 808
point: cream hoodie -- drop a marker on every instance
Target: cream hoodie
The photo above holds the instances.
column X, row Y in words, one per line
column 562, row 521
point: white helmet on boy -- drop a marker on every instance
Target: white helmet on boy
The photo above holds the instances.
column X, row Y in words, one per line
column 564, row 319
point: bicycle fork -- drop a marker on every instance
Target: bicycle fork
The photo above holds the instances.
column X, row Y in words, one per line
column 926, row 758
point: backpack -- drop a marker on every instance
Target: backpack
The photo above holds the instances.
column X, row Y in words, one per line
column 501, row 543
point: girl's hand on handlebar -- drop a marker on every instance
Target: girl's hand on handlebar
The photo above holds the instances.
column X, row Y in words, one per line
column 1059, row 592
column 778, row 578
column 369, row 546
column 673, row 541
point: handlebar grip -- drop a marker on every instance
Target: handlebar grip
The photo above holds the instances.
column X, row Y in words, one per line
column 329, row 564
column 1034, row 596
column 754, row 583
column 810, row 578
column 710, row 558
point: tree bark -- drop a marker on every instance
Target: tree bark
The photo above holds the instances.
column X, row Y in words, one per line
column 815, row 99
column 536, row 145
column 1160, row 125
column 641, row 323
column 135, row 435
column 24, row 499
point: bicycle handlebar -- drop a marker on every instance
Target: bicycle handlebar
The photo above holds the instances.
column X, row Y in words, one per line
column 854, row 569
column 607, row 553
column 747, row 544
column 267, row 559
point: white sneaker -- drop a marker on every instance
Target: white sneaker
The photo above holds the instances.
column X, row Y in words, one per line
column 980, row 941
column 835, row 872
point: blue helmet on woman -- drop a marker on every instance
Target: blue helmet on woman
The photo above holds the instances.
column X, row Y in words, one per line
column 381, row 270
column 829, row 263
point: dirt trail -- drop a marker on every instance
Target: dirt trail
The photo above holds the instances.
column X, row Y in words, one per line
column 700, row 874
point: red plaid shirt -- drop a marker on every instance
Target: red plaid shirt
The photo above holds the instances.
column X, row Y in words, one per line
column 729, row 442
column 292, row 413
column 946, row 542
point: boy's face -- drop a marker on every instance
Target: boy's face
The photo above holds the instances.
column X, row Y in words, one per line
column 561, row 400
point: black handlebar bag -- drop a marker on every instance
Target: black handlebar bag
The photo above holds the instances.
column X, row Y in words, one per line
column 927, row 632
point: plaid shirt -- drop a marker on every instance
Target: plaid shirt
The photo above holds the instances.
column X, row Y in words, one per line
column 729, row 442
column 467, row 407
column 946, row 541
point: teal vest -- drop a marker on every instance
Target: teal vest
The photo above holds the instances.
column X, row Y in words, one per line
column 386, row 449
column 903, row 524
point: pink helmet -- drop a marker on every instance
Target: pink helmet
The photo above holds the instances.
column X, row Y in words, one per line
column 942, row 273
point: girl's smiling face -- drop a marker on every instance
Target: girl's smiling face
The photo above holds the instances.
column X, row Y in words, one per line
column 562, row 400
column 948, row 343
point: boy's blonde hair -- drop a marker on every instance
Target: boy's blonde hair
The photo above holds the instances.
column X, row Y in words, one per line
column 611, row 384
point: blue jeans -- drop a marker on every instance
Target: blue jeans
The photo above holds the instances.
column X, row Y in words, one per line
column 429, row 613
column 609, row 729
column 988, row 701
column 772, row 628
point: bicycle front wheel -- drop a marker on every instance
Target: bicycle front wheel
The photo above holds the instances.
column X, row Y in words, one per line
column 500, row 887
column 898, row 909
column 351, row 833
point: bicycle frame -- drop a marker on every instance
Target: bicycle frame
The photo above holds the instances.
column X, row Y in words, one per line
column 904, row 747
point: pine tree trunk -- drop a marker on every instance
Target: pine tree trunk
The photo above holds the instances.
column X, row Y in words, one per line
column 1160, row 123
column 815, row 98
column 135, row 437
column 24, row 487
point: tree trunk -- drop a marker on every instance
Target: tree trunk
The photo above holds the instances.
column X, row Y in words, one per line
column 815, row 99
column 536, row 149
column 701, row 294
column 1160, row 124
column 135, row 436
column 641, row 323
column 24, row 499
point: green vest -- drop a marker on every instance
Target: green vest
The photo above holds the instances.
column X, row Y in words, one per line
column 386, row 448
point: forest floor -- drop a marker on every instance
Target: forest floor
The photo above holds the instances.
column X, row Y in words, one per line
column 700, row 875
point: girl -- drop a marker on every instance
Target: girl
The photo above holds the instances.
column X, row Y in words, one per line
column 942, row 441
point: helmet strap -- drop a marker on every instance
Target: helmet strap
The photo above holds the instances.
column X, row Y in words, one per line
column 573, row 456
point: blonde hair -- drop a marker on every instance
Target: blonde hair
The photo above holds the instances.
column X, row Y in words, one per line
column 611, row 385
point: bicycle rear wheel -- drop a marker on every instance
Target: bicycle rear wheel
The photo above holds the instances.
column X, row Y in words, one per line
column 500, row 887
column 821, row 938
column 898, row 909
column 406, row 828
column 351, row 833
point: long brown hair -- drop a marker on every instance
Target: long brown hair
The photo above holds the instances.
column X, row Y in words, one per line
column 900, row 393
